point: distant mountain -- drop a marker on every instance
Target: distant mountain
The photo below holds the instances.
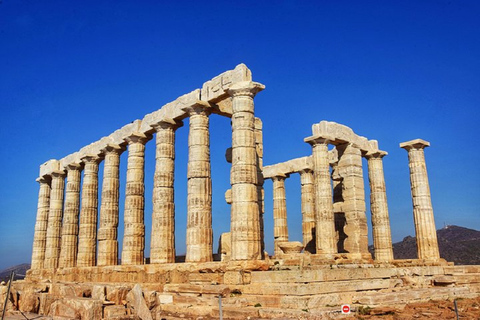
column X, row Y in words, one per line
column 456, row 244
column 19, row 270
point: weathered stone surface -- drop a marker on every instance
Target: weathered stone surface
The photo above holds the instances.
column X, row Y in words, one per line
column 137, row 301
column 114, row 312
column 76, row 308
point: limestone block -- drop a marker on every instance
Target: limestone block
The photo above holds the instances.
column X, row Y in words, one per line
column 215, row 89
column 118, row 136
column 164, row 299
column 48, row 167
column 114, row 312
column 29, row 302
column 76, row 308
column 117, row 294
column 287, row 167
column 71, row 158
column 98, row 292
column 135, row 298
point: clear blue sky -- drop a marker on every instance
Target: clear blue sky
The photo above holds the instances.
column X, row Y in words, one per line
column 74, row 71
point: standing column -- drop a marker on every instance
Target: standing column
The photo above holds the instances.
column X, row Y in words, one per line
column 87, row 234
column 280, row 227
column 308, row 210
column 134, row 232
column 382, row 238
column 426, row 233
column 162, row 249
column 353, row 193
column 325, row 222
column 199, row 199
column 54, row 228
column 68, row 251
column 40, row 236
column 245, row 215
column 260, row 180
column 108, row 230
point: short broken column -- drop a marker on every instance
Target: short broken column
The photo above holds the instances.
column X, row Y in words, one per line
column 199, row 198
column 87, row 233
column 382, row 238
column 280, row 227
column 68, row 251
column 108, row 226
column 134, row 227
column 324, row 218
column 245, row 212
column 54, row 228
column 425, row 229
column 40, row 235
column 308, row 210
column 162, row 248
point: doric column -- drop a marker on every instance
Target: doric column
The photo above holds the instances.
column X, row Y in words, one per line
column 280, row 227
column 199, row 199
column 162, row 248
column 325, row 223
column 108, row 227
column 54, row 228
column 353, row 193
column 68, row 251
column 40, row 236
column 426, row 233
column 382, row 238
column 245, row 215
column 308, row 210
column 134, row 228
column 260, row 179
column 87, row 234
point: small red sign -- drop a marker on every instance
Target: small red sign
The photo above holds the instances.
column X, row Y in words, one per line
column 345, row 309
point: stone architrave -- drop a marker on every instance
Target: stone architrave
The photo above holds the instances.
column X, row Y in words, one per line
column 134, row 227
column 308, row 210
column 324, row 218
column 280, row 226
column 68, row 251
column 54, row 227
column 426, row 233
column 108, row 230
column 40, row 235
column 382, row 238
column 245, row 212
column 349, row 167
column 199, row 199
column 87, row 233
column 162, row 248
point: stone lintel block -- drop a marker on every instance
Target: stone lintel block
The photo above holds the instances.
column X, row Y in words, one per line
column 288, row 167
column 95, row 148
column 215, row 89
column 414, row 144
column 118, row 136
column 48, row 167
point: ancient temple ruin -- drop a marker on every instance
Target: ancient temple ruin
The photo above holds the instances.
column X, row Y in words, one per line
column 285, row 282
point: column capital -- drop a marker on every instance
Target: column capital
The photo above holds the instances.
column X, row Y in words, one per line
column 59, row 173
column 91, row 158
column 74, row 166
column 279, row 176
column 111, row 147
column 198, row 107
column 44, row 179
column 245, row 88
column 378, row 154
column 315, row 140
column 167, row 123
column 137, row 137
column 304, row 171
column 414, row 144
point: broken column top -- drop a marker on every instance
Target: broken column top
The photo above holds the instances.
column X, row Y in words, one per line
column 415, row 144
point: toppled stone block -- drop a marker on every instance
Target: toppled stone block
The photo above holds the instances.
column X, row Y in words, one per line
column 137, row 301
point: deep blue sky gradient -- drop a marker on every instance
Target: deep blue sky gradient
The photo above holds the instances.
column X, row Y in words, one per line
column 74, row 71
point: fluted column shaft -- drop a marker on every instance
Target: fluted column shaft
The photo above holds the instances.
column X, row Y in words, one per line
column 134, row 228
column 427, row 243
column 54, row 228
column 260, row 180
column 245, row 213
column 280, row 226
column 325, row 222
column 199, row 199
column 353, row 193
column 87, row 234
column 382, row 238
column 308, row 210
column 40, row 235
column 162, row 248
column 108, row 230
column 68, row 251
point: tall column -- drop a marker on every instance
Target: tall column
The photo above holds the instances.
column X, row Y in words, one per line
column 54, row 227
column 245, row 214
column 162, row 248
column 68, row 251
column 40, row 235
column 426, row 233
column 260, row 180
column 325, row 222
column 353, row 194
column 280, row 227
column 382, row 238
column 308, row 210
column 199, row 199
column 108, row 229
column 134, row 228
column 87, row 234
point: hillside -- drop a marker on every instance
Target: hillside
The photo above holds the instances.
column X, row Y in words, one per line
column 19, row 270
